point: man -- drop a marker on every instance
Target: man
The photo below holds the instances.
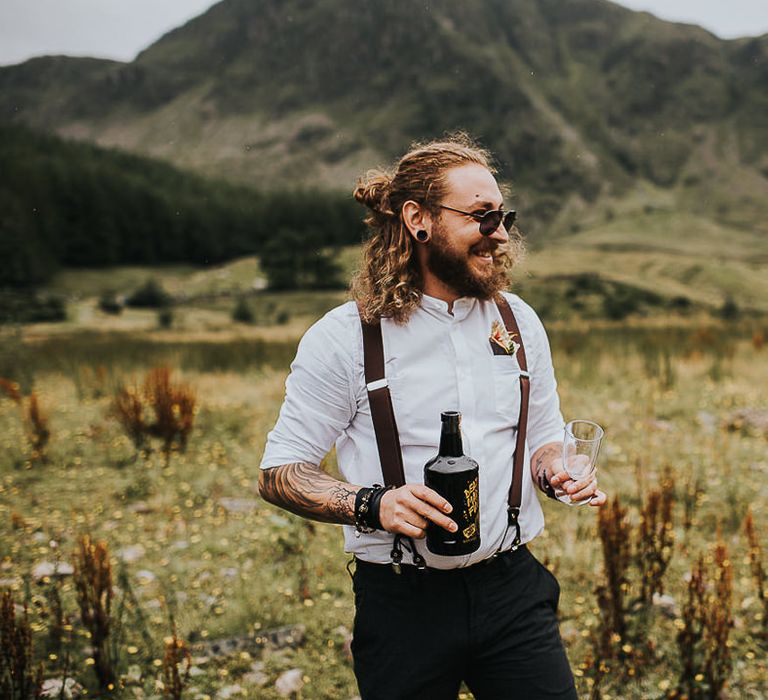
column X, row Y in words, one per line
column 433, row 269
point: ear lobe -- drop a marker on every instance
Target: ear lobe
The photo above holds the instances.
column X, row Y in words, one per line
column 414, row 218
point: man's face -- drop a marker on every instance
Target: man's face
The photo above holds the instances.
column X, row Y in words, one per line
column 460, row 256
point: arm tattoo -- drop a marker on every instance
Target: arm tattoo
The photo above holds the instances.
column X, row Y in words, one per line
column 543, row 458
column 306, row 490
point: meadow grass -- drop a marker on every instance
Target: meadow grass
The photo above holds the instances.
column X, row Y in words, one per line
column 219, row 571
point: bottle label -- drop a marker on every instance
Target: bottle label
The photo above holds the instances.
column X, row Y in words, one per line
column 471, row 506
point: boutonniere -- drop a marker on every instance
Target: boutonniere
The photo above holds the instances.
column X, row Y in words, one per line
column 502, row 343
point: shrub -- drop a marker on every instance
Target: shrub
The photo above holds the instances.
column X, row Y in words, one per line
column 128, row 408
column 729, row 311
column 173, row 406
column 165, row 317
column 620, row 305
column 243, row 313
column 110, row 304
column 680, row 304
column 30, row 307
column 295, row 260
column 150, row 295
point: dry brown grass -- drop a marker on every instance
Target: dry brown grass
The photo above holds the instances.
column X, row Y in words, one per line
column 707, row 620
column 20, row 677
column 758, row 570
column 38, row 428
column 655, row 539
column 11, row 389
column 176, row 655
column 93, row 584
column 173, row 405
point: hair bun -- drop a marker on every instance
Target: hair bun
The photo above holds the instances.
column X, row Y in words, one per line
column 373, row 192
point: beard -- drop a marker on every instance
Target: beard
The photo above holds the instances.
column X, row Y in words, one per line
column 452, row 267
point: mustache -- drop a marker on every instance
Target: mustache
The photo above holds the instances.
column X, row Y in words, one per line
column 485, row 247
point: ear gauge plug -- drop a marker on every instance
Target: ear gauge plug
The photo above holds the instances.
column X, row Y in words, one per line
column 422, row 236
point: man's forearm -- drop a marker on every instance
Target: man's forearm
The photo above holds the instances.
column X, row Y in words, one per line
column 306, row 490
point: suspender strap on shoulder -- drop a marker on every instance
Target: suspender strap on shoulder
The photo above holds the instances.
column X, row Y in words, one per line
column 516, row 487
column 380, row 400
column 385, row 426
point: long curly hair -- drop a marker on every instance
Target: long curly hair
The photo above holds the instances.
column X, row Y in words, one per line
column 389, row 283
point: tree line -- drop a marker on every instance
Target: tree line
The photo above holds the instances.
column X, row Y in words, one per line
column 69, row 204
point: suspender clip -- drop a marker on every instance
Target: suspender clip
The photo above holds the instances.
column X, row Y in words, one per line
column 378, row 384
column 513, row 515
column 397, row 555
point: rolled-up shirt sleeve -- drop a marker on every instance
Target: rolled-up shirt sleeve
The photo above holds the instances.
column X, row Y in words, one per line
column 545, row 421
column 319, row 401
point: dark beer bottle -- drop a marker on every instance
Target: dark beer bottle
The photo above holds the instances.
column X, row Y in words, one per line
column 456, row 478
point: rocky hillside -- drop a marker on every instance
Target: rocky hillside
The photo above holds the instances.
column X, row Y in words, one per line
column 580, row 99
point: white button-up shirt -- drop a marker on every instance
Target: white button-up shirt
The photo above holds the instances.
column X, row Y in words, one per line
column 437, row 361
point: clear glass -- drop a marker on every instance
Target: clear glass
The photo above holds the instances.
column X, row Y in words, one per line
column 581, row 445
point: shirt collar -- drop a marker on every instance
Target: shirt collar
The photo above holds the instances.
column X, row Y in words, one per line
column 461, row 307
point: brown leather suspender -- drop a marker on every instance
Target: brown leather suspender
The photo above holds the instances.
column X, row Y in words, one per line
column 385, row 426
column 516, row 487
column 380, row 400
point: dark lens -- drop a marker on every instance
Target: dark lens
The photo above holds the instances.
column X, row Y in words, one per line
column 509, row 219
column 490, row 222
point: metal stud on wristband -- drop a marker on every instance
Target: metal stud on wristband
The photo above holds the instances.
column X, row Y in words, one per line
column 367, row 508
column 362, row 511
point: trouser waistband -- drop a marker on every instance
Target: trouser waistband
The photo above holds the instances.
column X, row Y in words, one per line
column 411, row 570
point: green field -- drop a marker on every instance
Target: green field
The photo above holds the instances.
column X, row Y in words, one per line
column 224, row 568
column 190, row 541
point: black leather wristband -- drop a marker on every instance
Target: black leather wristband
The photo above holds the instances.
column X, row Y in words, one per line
column 375, row 509
column 545, row 486
column 362, row 510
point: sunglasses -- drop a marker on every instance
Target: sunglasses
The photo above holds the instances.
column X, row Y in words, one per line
column 489, row 220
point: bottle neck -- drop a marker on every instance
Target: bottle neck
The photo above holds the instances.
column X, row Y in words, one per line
column 450, row 437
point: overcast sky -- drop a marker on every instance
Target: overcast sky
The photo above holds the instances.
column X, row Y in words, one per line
column 120, row 28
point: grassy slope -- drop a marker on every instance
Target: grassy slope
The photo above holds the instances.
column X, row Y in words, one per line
column 639, row 241
column 668, row 252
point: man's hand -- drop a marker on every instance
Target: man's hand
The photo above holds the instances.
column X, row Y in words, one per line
column 406, row 510
column 576, row 489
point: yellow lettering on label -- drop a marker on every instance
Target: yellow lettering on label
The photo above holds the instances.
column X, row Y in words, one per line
column 472, row 499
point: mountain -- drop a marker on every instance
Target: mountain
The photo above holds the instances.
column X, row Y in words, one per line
column 579, row 99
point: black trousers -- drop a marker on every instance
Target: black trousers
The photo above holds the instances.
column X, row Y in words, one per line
column 419, row 634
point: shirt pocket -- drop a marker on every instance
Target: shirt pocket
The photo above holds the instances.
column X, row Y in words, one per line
column 506, row 388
